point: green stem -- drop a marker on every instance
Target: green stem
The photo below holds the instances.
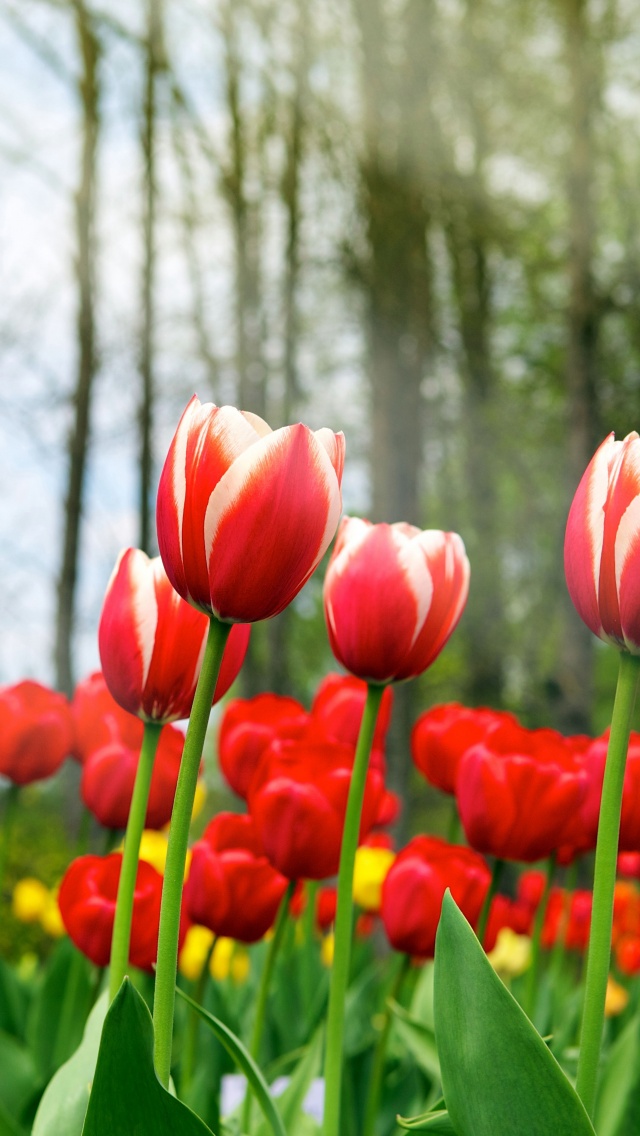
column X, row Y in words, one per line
column 377, row 1068
column 164, row 997
column 496, row 876
column 119, row 962
column 6, row 832
column 604, row 880
column 263, row 994
column 344, row 915
column 534, row 965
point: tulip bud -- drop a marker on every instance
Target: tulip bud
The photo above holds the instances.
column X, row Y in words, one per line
column 392, row 597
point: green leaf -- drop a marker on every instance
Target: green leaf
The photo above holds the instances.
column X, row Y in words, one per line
column 13, row 1001
column 245, row 1062
column 59, row 1009
column 290, row 1102
column 64, row 1104
column 618, row 1103
column 418, row 1039
column 438, row 1123
column 9, row 1126
column 498, row 1076
column 127, row 1096
column 421, row 1008
column 20, row 1081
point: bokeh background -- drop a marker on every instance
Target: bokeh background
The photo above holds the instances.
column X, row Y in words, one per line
column 414, row 220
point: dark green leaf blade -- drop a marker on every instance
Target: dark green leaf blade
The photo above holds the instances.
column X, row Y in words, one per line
column 63, row 1107
column 498, row 1076
column 618, row 1103
column 127, row 1096
column 437, row 1123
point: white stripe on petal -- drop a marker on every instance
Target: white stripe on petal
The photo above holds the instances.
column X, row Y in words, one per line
column 411, row 560
column 626, row 539
column 179, row 463
column 145, row 605
column 597, row 493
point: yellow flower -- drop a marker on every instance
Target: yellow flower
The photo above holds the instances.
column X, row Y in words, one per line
column 199, row 799
column 30, row 897
column 616, row 998
column 240, row 965
column 327, row 949
column 512, row 953
column 153, row 849
column 194, row 951
column 51, row 918
column 221, row 959
column 370, row 871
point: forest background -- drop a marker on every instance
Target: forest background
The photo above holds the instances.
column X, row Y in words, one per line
column 414, row 220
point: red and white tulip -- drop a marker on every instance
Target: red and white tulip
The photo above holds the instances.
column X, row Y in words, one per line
column 152, row 643
column 602, row 544
column 393, row 595
column 245, row 513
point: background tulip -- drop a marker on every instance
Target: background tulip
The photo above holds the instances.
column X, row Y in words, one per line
column 87, row 900
column 245, row 513
column 36, row 732
column 392, row 597
column 298, row 799
column 152, row 642
column 247, row 728
column 443, row 734
column 338, row 705
column 99, row 720
column 232, row 888
column 414, row 888
column 108, row 778
column 602, row 544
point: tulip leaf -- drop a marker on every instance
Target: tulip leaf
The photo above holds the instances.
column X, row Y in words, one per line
column 244, row 1061
column 498, row 1077
column 63, row 1107
column 291, row 1100
column 438, row 1123
column 126, row 1095
column 417, row 1038
column 618, row 1103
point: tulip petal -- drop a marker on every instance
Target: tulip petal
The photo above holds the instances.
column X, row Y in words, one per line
column 286, row 485
column 583, row 546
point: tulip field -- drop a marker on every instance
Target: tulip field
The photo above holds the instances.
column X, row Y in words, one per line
column 287, row 967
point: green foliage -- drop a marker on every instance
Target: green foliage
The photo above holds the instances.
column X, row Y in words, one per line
column 498, row 1076
column 618, row 1102
column 63, row 1107
column 126, row 1095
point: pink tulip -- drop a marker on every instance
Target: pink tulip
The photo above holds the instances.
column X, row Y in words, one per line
column 392, row 597
column 602, row 544
column 245, row 513
column 152, row 642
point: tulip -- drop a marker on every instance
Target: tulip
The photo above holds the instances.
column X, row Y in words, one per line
column 36, row 732
column 338, row 706
column 247, row 728
column 519, row 793
column 245, row 514
column 442, row 735
column 567, row 919
column 507, row 914
column 152, row 642
column 232, row 888
column 602, row 549
column 392, row 597
column 109, row 774
column 298, row 799
column 87, row 900
column 98, row 720
column 602, row 568
column 414, row 888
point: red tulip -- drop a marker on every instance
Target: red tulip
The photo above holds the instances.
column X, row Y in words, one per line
column 36, row 732
column 414, row 888
column 567, row 919
column 298, row 799
column 594, row 761
column 602, row 544
column 152, row 642
column 245, row 513
column 506, row 912
column 338, row 706
column 443, row 734
column 232, row 888
column 247, row 728
column 109, row 773
column 392, row 597
column 326, row 907
column 627, row 953
column 87, row 901
column 629, row 865
column 519, row 793
column 98, row 720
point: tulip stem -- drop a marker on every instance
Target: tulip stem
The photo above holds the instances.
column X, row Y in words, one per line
column 344, row 915
column 119, row 962
column 604, row 880
column 496, row 876
column 164, row 996
column 6, row 830
column 263, row 994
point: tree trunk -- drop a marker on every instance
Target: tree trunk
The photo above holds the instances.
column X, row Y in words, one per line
column 88, row 89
